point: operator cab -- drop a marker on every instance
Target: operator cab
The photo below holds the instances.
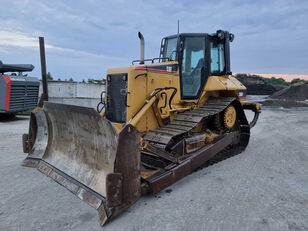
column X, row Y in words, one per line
column 199, row 56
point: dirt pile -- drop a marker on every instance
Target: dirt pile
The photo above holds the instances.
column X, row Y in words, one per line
column 295, row 92
column 256, row 86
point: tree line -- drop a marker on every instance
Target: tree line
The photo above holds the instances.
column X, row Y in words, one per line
column 273, row 81
column 50, row 77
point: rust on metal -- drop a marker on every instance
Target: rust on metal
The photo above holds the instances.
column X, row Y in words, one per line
column 198, row 140
column 110, row 171
column 102, row 215
column 256, row 108
column 128, row 163
column 39, row 123
column 81, row 144
column 83, row 152
column 114, row 189
column 25, row 143
column 158, row 183
column 161, row 153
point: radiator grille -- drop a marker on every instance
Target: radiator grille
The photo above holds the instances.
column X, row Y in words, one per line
column 116, row 98
column 23, row 97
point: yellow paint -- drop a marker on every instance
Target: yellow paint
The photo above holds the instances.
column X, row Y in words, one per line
column 103, row 112
column 257, row 106
column 218, row 83
column 117, row 126
column 229, row 117
column 135, row 120
column 147, row 173
column 140, row 90
column 37, row 109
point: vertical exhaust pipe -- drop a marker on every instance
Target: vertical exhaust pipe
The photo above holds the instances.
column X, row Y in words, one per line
column 44, row 96
column 141, row 47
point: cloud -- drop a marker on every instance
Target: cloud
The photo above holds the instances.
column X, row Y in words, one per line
column 68, row 60
column 269, row 35
column 19, row 39
column 13, row 38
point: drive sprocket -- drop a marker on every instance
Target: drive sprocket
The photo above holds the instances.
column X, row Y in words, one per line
column 229, row 117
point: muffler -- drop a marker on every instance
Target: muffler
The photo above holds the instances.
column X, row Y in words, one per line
column 141, row 47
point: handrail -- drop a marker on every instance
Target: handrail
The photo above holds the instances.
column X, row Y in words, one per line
column 151, row 60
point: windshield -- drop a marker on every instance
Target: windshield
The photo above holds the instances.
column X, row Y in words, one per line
column 170, row 48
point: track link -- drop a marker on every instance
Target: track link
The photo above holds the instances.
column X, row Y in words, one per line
column 186, row 121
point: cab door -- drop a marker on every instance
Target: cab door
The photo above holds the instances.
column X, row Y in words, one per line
column 192, row 66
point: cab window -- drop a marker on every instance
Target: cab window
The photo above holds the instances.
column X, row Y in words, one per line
column 170, row 48
column 217, row 57
column 192, row 65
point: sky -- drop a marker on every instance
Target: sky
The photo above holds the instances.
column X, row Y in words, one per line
column 85, row 38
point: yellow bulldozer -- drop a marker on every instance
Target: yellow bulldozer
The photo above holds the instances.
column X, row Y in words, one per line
column 160, row 119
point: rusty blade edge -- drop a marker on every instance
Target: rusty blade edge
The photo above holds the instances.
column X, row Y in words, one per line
column 72, row 180
column 30, row 162
column 80, row 190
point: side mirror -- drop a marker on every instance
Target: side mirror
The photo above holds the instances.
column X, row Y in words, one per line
column 231, row 37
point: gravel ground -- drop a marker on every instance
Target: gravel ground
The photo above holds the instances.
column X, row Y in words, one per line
column 264, row 188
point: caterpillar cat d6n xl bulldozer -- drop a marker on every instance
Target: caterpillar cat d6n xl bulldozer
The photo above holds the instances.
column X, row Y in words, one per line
column 161, row 119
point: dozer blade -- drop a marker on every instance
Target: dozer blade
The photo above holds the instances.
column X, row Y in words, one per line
column 82, row 151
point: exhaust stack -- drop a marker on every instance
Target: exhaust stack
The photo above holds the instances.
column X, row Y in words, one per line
column 44, row 96
column 141, row 47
